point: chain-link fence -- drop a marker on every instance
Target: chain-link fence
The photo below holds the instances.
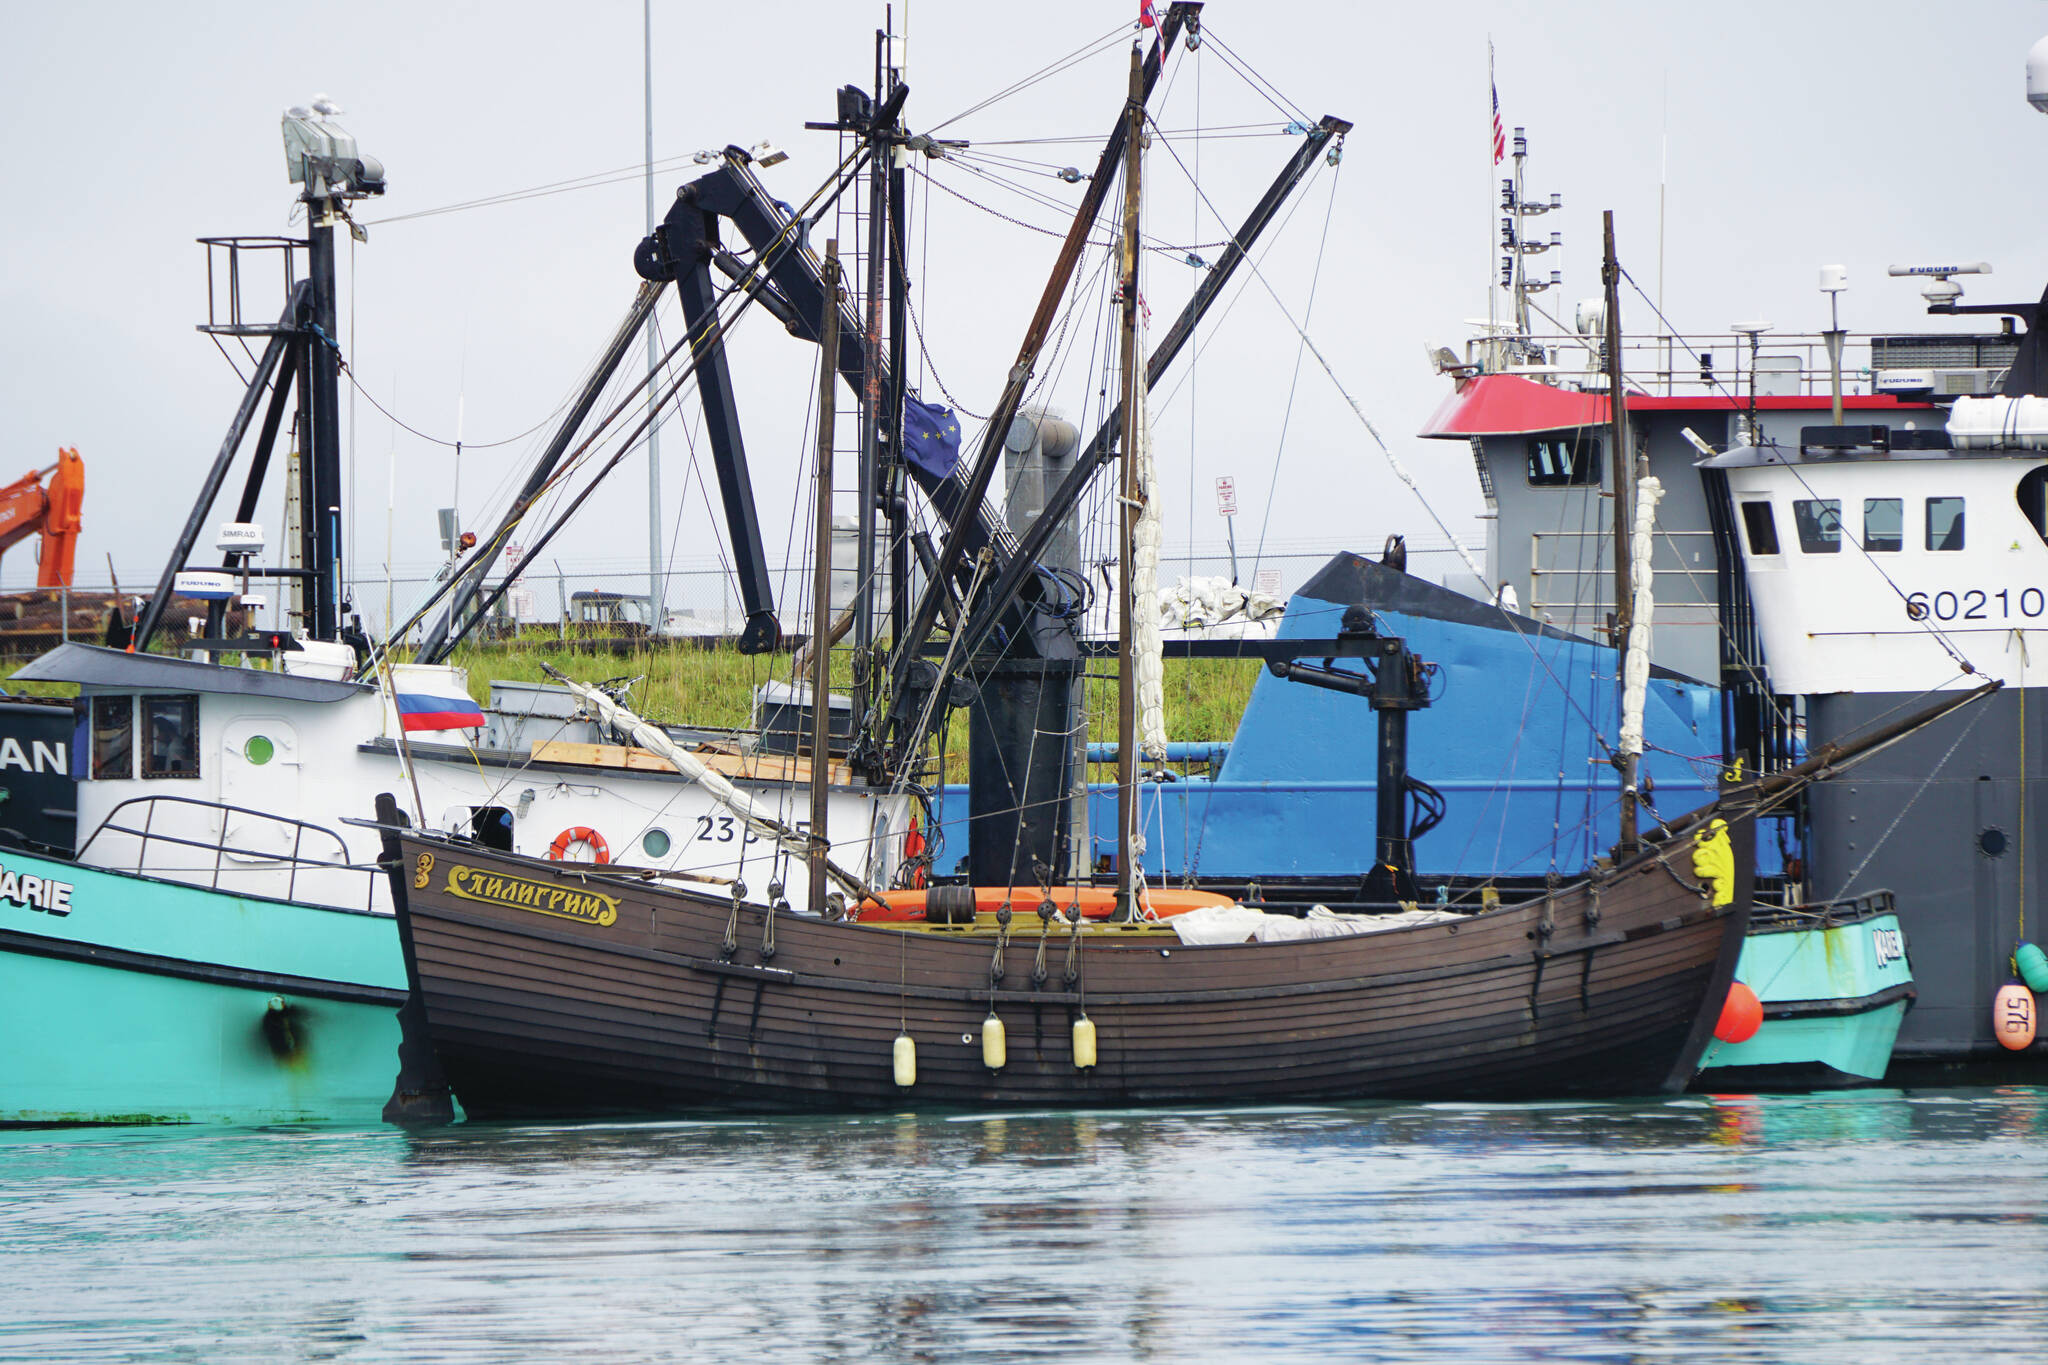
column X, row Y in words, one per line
column 705, row 604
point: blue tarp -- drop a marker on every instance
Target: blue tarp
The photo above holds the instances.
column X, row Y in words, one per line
column 1511, row 739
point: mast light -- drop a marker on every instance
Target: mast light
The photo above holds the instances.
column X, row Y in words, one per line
column 320, row 154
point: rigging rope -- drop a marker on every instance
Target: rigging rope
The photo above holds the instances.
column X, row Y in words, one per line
column 1393, row 462
column 1934, row 632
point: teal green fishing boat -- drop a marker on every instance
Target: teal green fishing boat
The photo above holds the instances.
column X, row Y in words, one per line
column 1834, row 983
column 126, row 999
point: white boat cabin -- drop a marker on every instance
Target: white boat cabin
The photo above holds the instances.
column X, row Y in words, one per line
column 1874, row 568
column 247, row 779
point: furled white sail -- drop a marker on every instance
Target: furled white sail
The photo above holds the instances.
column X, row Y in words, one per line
column 1147, row 648
column 721, row 788
column 1635, row 669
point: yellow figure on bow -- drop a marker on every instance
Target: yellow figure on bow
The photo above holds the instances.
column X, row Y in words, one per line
column 1713, row 862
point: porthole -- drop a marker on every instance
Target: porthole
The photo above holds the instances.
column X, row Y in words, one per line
column 655, row 843
column 258, row 749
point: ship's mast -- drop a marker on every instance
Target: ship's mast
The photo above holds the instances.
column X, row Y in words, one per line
column 821, row 591
column 1622, row 459
column 1127, row 517
column 873, row 397
column 301, row 360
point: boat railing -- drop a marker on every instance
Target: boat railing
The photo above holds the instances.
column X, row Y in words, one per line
column 1832, row 914
column 1569, row 571
column 233, row 261
column 221, row 849
column 1726, row 365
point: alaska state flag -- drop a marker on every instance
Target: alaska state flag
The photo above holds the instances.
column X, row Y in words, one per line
column 427, row 711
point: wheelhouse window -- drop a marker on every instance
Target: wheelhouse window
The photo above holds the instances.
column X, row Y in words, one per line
column 1819, row 523
column 1564, row 461
column 170, row 736
column 1944, row 523
column 2033, row 498
column 113, row 737
column 1761, row 528
column 1884, row 524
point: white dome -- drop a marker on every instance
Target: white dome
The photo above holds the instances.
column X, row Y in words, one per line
column 2037, row 76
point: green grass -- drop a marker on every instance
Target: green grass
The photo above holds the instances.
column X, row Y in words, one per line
column 35, row 689
column 715, row 687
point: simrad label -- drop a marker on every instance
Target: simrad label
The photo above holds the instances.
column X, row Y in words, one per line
column 518, row 893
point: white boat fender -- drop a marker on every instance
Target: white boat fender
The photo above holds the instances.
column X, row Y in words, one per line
column 995, row 1043
column 1084, row 1043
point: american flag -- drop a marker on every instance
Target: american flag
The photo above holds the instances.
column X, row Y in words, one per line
column 1500, row 137
column 1146, row 19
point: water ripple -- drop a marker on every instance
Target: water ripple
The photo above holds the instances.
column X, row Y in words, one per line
column 1830, row 1228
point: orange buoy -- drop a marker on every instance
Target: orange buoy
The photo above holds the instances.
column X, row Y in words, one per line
column 1095, row 902
column 2012, row 1016
column 1742, row 1014
column 558, row 851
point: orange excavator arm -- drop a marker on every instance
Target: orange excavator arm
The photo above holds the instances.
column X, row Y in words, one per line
column 62, row 521
column 27, row 506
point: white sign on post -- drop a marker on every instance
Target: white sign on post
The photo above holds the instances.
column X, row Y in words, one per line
column 514, row 552
column 1226, row 496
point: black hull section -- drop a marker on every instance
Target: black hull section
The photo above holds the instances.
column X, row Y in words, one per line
column 1607, row 990
column 1948, row 848
column 38, row 795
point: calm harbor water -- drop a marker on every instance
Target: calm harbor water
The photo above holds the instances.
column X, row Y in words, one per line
column 1873, row 1226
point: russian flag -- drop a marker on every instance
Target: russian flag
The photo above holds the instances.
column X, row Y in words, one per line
column 427, row 711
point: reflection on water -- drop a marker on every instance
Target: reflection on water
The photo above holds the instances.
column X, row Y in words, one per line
column 1846, row 1227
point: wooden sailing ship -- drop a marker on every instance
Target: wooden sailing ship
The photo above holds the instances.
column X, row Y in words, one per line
column 547, row 987
column 551, row 988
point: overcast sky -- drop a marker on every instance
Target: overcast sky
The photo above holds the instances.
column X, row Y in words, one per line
column 1788, row 135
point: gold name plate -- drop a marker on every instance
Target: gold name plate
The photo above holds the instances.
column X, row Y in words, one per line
column 518, row 893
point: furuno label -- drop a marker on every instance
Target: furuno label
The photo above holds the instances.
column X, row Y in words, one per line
column 1889, row 944
column 518, row 893
column 35, row 893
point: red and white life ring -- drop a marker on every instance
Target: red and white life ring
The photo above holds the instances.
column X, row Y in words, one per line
column 580, row 834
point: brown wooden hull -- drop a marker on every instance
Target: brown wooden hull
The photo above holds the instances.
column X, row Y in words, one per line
column 533, row 1012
